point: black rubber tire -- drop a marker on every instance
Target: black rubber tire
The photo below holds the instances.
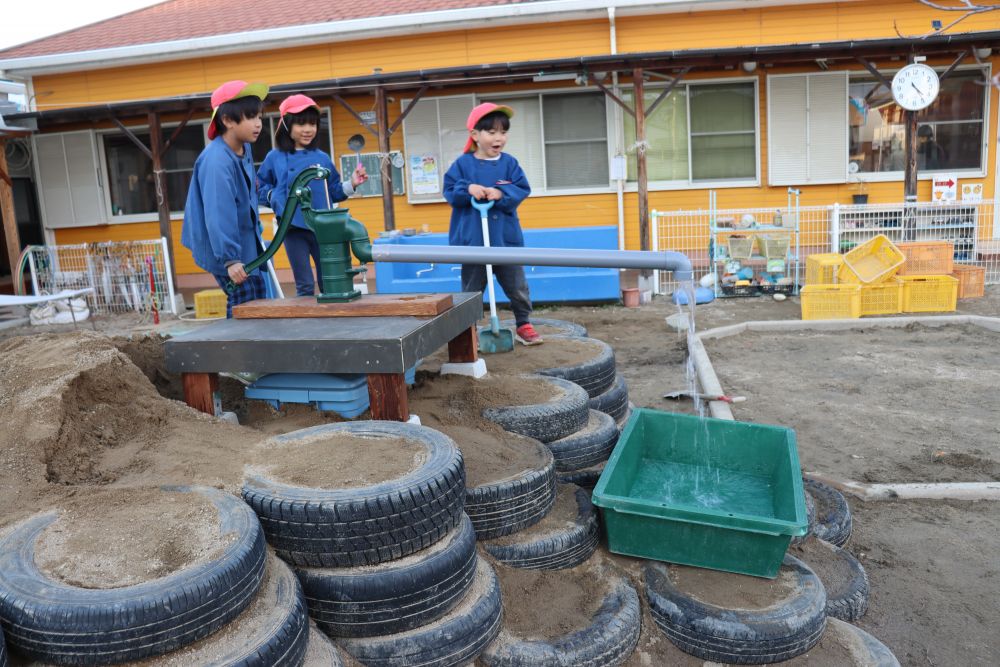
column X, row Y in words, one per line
column 365, row 525
column 396, row 596
column 456, row 639
column 586, row 478
column 3, row 651
column 614, row 401
column 566, row 328
column 623, row 420
column 594, row 375
column 549, row 421
column 833, row 515
column 589, row 446
column 55, row 623
column 878, row 654
column 810, row 518
column 320, row 651
column 847, row 599
column 568, row 547
column 608, row 641
column 739, row 636
column 508, row 505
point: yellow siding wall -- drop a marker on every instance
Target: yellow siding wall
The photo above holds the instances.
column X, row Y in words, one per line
column 771, row 25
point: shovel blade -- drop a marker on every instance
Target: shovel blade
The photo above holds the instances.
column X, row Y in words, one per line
column 491, row 342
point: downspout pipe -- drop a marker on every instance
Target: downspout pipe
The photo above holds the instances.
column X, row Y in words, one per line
column 676, row 262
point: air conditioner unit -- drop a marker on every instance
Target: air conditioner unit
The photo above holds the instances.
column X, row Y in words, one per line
column 18, row 153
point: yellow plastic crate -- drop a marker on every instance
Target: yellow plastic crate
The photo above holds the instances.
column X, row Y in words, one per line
column 929, row 294
column 882, row 299
column 209, row 303
column 971, row 280
column 831, row 302
column 821, row 269
column 927, row 258
column 874, row 261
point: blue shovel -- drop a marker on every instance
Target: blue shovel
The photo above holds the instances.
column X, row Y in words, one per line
column 491, row 339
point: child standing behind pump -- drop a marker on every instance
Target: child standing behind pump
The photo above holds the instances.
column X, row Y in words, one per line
column 297, row 138
column 484, row 172
column 221, row 225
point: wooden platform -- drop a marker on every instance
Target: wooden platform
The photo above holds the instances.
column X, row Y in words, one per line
column 371, row 305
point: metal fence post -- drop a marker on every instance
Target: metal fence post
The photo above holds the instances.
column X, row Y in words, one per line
column 835, row 228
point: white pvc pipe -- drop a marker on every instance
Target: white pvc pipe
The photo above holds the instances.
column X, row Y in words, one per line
column 914, row 491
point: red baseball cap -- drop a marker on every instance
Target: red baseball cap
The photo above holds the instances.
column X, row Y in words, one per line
column 232, row 90
column 297, row 103
column 476, row 114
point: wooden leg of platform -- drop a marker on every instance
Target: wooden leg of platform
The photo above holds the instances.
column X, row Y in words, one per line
column 387, row 393
column 464, row 348
column 201, row 392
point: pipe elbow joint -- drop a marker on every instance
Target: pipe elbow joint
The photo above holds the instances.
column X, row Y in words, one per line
column 680, row 265
column 360, row 244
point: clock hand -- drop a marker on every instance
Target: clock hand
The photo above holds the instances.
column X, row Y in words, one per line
column 917, row 89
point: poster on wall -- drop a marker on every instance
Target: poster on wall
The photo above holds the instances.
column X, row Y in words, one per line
column 424, row 177
column 972, row 192
column 945, row 189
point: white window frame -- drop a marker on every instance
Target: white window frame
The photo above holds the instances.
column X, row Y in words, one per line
column 926, row 174
column 689, row 183
column 102, row 169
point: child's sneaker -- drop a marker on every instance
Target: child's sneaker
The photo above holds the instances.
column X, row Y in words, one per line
column 527, row 335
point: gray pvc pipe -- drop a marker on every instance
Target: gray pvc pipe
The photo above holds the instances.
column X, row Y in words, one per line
column 602, row 259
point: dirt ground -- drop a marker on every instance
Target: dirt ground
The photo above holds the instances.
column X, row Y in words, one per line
column 893, row 406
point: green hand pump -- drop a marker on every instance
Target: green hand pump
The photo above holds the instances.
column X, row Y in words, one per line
column 336, row 231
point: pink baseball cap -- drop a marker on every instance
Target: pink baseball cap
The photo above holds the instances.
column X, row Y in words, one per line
column 232, row 90
column 477, row 113
column 297, row 103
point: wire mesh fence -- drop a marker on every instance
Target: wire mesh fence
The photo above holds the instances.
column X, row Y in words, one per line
column 703, row 235
column 127, row 276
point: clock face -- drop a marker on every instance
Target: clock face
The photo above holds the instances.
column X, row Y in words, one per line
column 915, row 86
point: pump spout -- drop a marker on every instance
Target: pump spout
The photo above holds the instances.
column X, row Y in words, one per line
column 676, row 262
column 361, row 246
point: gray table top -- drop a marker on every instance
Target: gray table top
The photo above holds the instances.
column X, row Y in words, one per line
column 320, row 345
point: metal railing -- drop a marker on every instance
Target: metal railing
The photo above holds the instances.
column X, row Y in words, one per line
column 833, row 228
column 119, row 272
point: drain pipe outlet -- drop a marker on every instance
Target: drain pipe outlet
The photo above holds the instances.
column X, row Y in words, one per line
column 676, row 262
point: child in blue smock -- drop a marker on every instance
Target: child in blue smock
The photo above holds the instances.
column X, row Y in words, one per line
column 221, row 226
column 297, row 138
column 485, row 173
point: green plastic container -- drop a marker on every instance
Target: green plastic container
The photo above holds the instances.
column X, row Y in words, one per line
column 711, row 493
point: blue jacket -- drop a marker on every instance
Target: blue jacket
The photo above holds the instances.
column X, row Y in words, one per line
column 221, row 224
column 278, row 171
column 504, row 174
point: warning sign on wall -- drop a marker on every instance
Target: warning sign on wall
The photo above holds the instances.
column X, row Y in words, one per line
column 945, row 188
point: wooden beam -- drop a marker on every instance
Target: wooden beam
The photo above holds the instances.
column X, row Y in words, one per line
column 387, row 396
column 666, row 91
column 640, row 158
column 9, row 213
column 342, row 102
column 385, row 167
column 614, row 97
column 951, row 68
column 177, row 131
column 201, row 392
column 160, row 183
column 406, row 111
column 874, row 70
column 910, row 151
column 134, row 139
column 464, row 348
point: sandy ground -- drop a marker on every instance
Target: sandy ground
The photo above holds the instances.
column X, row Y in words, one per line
column 908, row 407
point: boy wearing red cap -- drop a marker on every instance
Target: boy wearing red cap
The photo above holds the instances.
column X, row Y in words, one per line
column 297, row 140
column 221, row 225
column 485, row 172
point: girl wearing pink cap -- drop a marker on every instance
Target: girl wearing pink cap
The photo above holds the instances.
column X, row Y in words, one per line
column 296, row 142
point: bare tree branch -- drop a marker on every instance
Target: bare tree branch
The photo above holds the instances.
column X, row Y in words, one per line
column 967, row 7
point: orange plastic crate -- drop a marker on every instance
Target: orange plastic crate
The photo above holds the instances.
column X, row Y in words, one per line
column 971, row 280
column 831, row 302
column 821, row 269
column 929, row 294
column 882, row 299
column 874, row 261
column 927, row 258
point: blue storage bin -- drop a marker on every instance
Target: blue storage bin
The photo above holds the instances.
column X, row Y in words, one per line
column 343, row 393
column 548, row 284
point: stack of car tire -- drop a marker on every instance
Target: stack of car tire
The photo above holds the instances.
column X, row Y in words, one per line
column 389, row 570
column 243, row 606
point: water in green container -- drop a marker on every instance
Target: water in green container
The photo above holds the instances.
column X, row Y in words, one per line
column 693, row 486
